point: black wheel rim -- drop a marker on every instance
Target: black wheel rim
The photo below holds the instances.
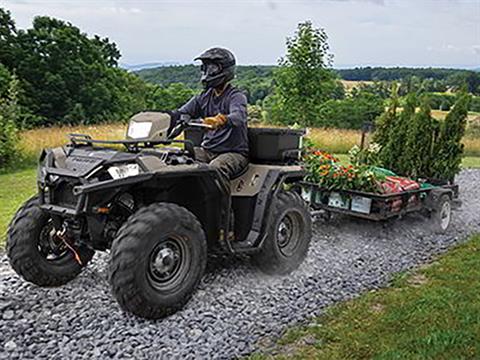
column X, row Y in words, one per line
column 289, row 232
column 50, row 246
column 169, row 263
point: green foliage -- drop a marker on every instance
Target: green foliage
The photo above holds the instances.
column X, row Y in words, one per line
column 417, row 79
column 255, row 114
column 350, row 113
column 169, row 97
column 254, row 80
column 367, row 156
column 8, row 131
column 383, row 130
column 65, row 76
column 397, row 154
column 303, row 81
column 421, row 136
column 416, row 145
column 325, row 170
column 448, row 149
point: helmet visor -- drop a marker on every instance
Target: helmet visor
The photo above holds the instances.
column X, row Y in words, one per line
column 209, row 69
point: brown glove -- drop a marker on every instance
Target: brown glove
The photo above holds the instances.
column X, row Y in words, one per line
column 216, row 121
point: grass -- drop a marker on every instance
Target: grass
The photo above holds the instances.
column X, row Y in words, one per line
column 33, row 141
column 15, row 188
column 432, row 313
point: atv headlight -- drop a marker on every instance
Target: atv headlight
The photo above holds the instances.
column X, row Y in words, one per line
column 139, row 130
column 123, row 171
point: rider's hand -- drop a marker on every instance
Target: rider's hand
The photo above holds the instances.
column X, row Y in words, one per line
column 216, row 121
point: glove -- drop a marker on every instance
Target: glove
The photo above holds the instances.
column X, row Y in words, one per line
column 216, row 121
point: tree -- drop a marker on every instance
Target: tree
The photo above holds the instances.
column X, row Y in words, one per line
column 65, row 76
column 8, row 131
column 448, row 149
column 420, row 137
column 303, row 80
column 383, row 129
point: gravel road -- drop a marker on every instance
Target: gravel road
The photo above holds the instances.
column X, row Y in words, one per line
column 235, row 308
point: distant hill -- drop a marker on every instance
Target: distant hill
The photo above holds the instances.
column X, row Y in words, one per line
column 256, row 80
column 137, row 67
column 190, row 75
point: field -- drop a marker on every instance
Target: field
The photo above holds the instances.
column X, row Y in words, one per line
column 332, row 140
column 432, row 313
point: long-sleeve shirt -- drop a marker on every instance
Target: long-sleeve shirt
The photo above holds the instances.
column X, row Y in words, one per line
column 232, row 137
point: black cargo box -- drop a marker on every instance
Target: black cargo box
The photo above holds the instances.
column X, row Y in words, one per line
column 267, row 145
column 275, row 144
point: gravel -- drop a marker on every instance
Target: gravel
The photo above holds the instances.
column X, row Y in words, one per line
column 235, row 309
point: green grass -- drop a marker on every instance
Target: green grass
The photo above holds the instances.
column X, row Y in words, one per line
column 16, row 187
column 471, row 162
column 433, row 313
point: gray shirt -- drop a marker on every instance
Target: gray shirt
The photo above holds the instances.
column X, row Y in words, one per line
column 233, row 103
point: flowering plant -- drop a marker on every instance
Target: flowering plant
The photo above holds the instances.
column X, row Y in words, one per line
column 325, row 170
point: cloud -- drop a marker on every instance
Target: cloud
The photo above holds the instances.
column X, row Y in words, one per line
column 364, row 32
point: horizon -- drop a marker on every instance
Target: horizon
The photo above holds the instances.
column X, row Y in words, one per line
column 374, row 33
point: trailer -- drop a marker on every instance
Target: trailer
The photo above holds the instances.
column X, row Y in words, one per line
column 436, row 201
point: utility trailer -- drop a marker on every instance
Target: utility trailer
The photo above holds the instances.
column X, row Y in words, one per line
column 435, row 201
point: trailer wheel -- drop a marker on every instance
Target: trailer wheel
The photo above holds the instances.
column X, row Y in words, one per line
column 157, row 260
column 288, row 237
column 442, row 214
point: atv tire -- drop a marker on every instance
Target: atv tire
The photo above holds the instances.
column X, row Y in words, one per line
column 157, row 260
column 288, row 237
column 26, row 234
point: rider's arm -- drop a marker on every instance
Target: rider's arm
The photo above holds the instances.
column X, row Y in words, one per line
column 237, row 115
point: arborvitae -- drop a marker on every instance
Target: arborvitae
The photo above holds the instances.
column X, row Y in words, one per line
column 400, row 161
column 383, row 127
column 418, row 152
column 448, row 149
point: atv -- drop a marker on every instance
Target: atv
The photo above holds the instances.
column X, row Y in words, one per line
column 159, row 212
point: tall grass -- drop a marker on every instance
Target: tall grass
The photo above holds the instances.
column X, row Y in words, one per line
column 33, row 141
column 337, row 141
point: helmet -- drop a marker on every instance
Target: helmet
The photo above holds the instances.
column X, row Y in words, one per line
column 218, row 67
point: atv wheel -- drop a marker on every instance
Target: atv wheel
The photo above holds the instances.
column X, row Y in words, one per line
column 157, row 260
column 288, row 237
column 442, row 214
column 36, row 253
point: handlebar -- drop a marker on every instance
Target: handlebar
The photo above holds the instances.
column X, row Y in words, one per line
column 182, row 125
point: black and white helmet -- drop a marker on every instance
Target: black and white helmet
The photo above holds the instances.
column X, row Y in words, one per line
column 218, row 67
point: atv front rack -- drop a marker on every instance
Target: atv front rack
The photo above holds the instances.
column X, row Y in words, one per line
column 131, row 145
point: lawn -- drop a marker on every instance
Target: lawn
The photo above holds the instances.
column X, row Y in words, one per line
column 15, row 188
column 431, row 313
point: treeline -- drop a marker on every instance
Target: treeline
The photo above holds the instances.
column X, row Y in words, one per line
column 255, row 80
column 430, row 79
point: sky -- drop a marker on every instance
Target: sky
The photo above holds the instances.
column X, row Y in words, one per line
column 361, row 32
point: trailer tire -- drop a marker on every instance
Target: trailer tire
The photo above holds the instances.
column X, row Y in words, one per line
column 288, row 236
column 442, row 214
column 28, row 239
column 157, row 260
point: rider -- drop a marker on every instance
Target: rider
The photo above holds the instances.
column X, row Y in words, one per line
column 224, row 108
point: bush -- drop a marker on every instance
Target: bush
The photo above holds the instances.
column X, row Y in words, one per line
column 9, row 111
